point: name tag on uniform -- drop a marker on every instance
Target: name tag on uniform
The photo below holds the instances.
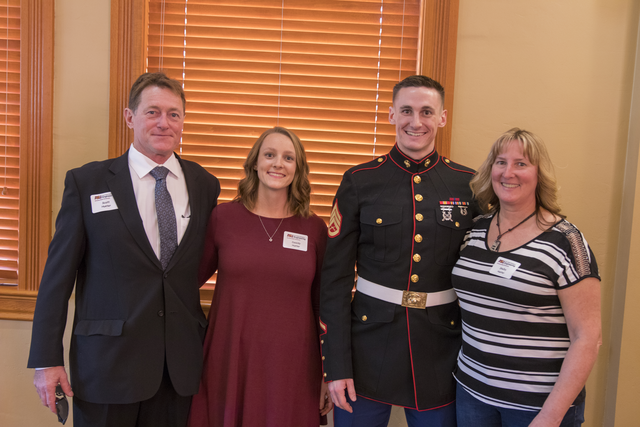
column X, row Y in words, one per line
column 504, row 268
column 295, row 241
column 103, row 202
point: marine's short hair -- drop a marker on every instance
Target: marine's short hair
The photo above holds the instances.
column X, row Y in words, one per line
column 419, row 81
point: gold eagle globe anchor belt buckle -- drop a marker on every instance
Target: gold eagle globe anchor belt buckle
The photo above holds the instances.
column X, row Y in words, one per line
column 414, row 299
column 408, row 299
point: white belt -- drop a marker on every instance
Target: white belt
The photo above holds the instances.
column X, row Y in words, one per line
column 405, row 298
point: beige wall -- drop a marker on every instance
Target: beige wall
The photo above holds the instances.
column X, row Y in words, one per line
column 81, row 87
column 623, row 375
column 560, row 68
column 628, row 381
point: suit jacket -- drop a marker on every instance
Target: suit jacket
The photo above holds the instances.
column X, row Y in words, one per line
column 130, row 313
column 402, row 221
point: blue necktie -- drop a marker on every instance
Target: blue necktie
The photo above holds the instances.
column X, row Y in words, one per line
column 166, row 216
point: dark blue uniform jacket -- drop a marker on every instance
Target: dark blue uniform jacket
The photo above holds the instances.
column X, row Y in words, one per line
column 401, row 223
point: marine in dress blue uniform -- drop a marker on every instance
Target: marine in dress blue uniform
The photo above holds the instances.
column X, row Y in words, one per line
column 400, row 219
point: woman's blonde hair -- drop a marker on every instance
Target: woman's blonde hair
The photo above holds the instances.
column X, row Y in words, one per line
column 534, row 149
column 299, row 194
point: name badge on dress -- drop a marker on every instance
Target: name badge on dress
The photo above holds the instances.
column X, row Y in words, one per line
column 295, row 241
column 103, row 202
column 504, row 268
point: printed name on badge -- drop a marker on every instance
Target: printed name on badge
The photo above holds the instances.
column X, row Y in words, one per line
column 295, row 241
column 504, row 268
column 102, row 202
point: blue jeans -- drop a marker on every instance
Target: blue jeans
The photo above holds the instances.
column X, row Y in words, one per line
column 472, row 412
column 369, row 413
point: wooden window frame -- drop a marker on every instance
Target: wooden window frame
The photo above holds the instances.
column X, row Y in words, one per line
column 36, row 141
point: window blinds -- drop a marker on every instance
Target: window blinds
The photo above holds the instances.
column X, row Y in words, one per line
column 9, row 138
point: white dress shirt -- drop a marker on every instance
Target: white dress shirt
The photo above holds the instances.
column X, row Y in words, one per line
column 144, row 188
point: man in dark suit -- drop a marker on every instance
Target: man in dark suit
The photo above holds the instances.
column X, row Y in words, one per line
column 129, row 235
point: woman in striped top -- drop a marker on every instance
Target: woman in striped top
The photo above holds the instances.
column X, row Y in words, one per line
column 529, row 291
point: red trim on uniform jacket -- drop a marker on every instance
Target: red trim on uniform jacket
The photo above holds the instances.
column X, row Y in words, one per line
column 324, row 328
column 376, row 166
column 448, row 164
column 416, row 162
column 413, row 374
column 413, row 160
column 406, row 407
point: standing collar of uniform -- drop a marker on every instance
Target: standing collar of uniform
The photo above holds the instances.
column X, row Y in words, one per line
column 410, row 165
column 142, row 165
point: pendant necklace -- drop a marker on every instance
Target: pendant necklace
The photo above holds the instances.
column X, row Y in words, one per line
column 496, row 244
column 274, row 233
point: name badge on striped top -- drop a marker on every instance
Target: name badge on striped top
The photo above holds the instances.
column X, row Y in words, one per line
column 504, row 268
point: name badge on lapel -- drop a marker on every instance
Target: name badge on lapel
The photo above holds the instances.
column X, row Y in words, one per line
column 103, row 202
column 295, row 241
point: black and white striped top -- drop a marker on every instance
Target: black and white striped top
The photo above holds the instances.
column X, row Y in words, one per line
column 514, row 335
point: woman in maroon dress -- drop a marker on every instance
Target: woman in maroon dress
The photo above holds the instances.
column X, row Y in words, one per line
column 262, row 363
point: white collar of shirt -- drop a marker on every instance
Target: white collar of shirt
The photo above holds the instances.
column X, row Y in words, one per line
column 144, row 191
column 142, row 165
